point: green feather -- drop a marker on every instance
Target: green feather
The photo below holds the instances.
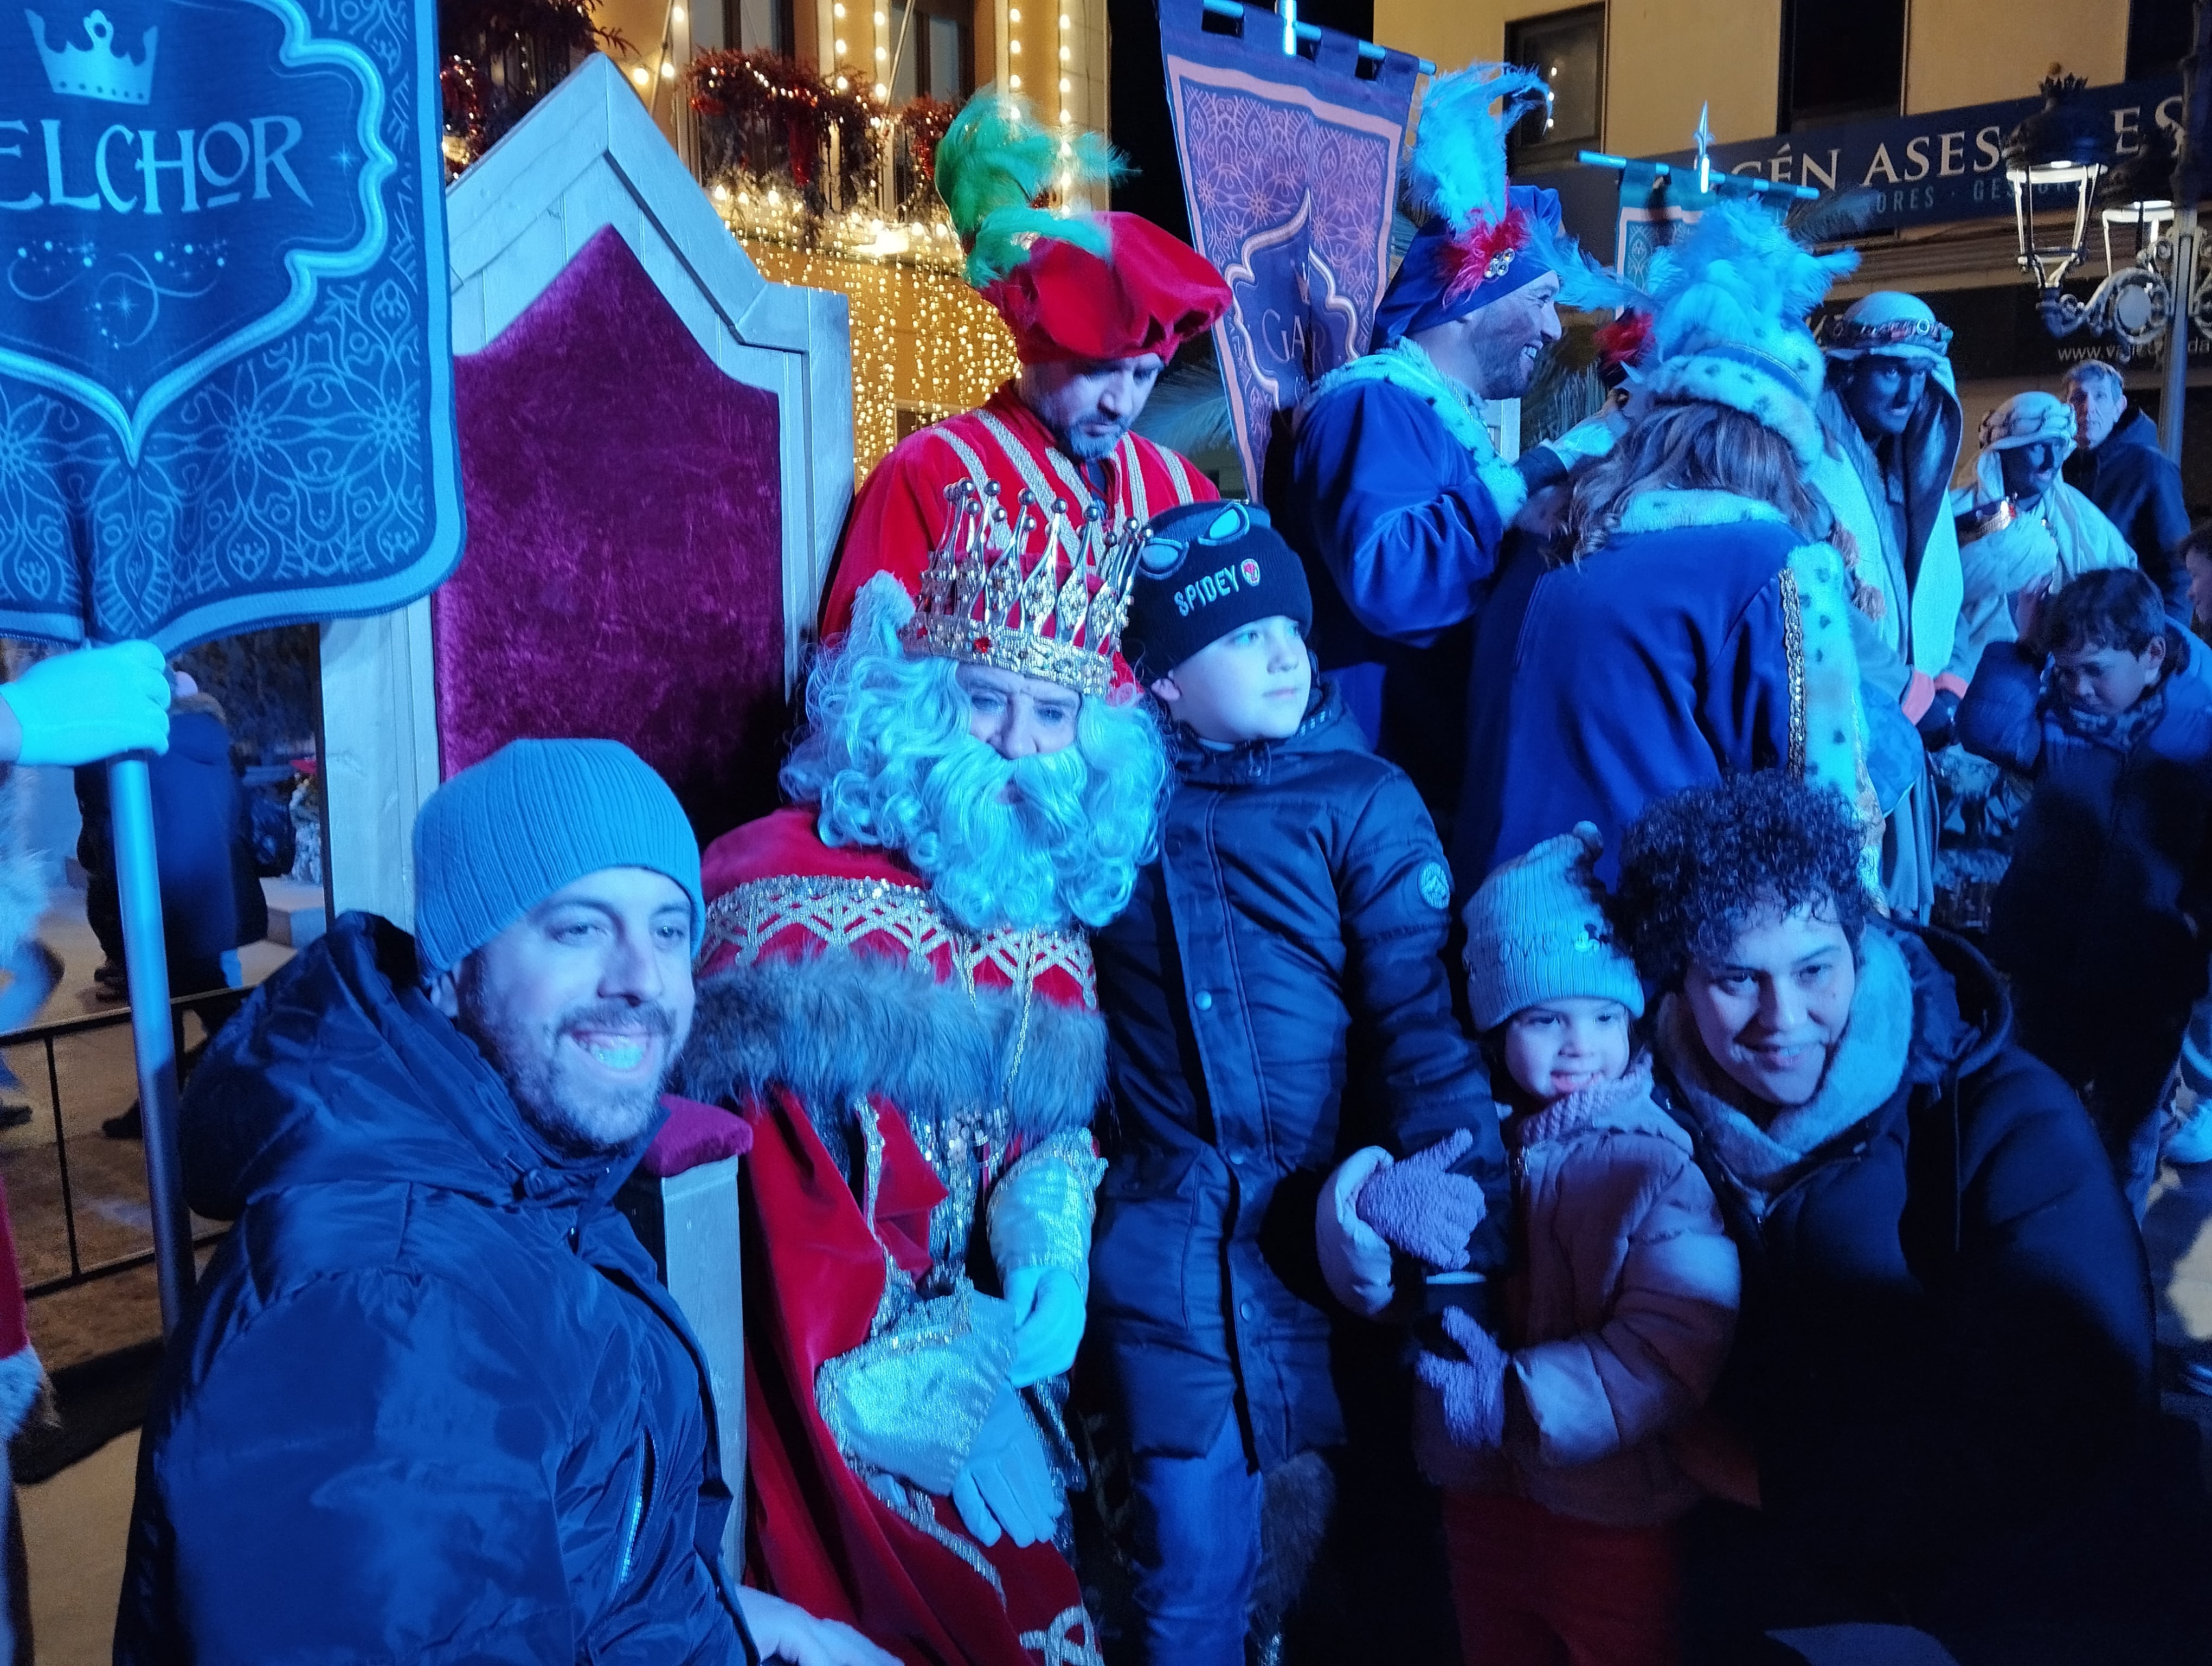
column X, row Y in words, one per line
column 992, row 164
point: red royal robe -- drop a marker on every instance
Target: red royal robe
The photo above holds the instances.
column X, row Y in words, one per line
column 901, row 512
column 817, row 1534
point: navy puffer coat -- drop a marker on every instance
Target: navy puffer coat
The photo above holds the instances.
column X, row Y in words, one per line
column 1276, row 996
column 2100, row 914
column 1943, row 1360
column 431, row 1402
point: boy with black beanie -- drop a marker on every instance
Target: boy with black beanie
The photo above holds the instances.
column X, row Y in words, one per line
column 1276, row 998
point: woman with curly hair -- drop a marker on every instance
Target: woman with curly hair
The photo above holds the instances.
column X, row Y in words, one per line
column 1943, row 1360
column 1696, row 624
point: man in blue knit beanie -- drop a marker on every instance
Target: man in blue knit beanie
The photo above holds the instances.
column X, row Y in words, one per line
column 432, row 1402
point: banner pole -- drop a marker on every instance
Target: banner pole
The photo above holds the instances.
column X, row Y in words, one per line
column 146, row 958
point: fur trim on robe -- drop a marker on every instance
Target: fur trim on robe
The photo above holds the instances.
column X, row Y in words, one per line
column 839, row 1025
column 1404, row 364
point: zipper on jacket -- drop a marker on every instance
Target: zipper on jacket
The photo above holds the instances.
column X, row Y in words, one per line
column 634, row 1521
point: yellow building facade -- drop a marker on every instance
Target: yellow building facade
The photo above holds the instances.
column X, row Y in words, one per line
column 1666, row 58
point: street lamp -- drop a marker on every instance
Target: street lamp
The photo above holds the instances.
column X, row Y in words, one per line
column 2163, row 291
column 2060, row 147
column 2057, row 149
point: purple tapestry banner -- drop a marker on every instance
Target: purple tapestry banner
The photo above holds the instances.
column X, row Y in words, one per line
column 1290, row 165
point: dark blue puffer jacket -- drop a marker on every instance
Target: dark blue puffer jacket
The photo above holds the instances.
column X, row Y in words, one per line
column 431, row 1402
column 2103, row 907
column 1276, row 996
column 2132, row 480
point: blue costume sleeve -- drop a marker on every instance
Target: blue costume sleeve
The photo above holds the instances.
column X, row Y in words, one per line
column 1408, row 530
column 1395, row 893
column 1998, row 719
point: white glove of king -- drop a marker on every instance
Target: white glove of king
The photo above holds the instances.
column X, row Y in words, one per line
column 92, row 703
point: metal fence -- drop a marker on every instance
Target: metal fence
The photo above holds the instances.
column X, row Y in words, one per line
column 45, row 1035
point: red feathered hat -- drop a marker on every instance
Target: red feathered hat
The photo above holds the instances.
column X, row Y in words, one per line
column 1150, row 294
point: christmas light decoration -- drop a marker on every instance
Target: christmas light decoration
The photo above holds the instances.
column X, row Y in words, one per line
column 924, row 343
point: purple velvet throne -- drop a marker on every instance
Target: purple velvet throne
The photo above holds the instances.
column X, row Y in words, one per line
column 623, row 576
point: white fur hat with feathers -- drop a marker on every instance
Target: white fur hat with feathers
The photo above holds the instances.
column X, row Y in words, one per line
column 1730, row 303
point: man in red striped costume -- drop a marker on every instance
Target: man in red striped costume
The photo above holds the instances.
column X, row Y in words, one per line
column 1098, row 305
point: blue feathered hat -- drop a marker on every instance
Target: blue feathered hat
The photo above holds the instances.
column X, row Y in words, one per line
column 1729, row 328
column 1484, row 238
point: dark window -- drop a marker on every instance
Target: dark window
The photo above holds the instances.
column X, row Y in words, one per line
column 936, row 51
column 758, row 26
column 1569, row 48
column 1841, row 59
column 2158, row 32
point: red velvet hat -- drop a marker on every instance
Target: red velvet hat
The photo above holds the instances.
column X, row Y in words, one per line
column 1150, row 294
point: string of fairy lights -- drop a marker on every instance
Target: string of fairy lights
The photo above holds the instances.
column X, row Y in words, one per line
column 924, row 343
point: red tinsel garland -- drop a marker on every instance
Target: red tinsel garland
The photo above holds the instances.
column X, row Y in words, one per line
column 461, row 87
column 770, row 102
column 1466, row 259
column 926, row 120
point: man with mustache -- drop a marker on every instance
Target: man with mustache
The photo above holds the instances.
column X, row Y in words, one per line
column 431, row 1402
column 1395, row 495
column 1098, row 305
column 1890, row 419
column 2020, row 525
column 901, row 1000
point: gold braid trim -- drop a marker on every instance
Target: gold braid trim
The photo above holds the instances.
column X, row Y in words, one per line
column 1793, row 653
column 839, row 913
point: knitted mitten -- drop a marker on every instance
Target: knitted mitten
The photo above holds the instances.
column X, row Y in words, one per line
column 1422, row 1208
column 1472, row 1389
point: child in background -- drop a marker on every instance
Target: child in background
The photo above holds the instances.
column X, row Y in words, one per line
column 2098, row 922
column 1561, row 1485
column 1275, row 994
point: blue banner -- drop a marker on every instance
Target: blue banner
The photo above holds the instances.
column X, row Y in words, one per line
column 226, row 377
column 1942, row 166
column 1290, row 166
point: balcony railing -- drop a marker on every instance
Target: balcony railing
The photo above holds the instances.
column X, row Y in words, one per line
column 31, row 1219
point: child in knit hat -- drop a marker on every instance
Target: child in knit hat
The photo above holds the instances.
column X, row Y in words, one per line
column 1561, row 1483
column 1275, row 995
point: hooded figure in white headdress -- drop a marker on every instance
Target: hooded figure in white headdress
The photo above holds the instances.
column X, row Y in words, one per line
column 2020, row 524
column 1890, row 417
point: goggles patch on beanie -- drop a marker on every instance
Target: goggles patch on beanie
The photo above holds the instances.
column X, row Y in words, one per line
column 1162, row 553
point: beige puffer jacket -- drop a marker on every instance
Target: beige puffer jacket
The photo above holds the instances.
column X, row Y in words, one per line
column 1619, row 1317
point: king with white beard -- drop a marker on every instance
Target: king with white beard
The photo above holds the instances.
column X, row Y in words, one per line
column 897, row 993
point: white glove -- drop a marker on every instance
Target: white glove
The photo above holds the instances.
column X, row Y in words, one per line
column 81, row 707
column 1005, row 1483
column 1047, row 1305
column 784, row 1631
column 1355, row 1261
column 1591, row 439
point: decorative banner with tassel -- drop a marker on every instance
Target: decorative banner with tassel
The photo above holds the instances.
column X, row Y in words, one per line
column 1289, row 138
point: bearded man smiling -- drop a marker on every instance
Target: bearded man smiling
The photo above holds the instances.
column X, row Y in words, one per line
column 431, row 1402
